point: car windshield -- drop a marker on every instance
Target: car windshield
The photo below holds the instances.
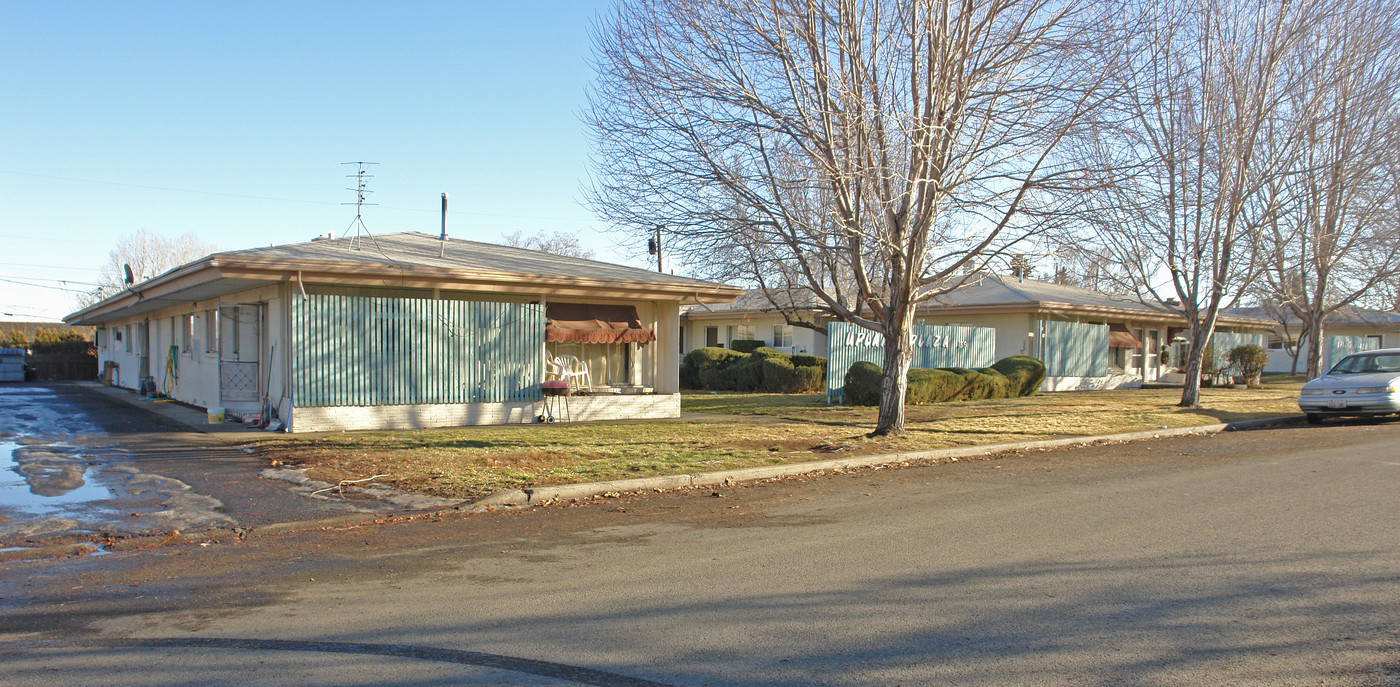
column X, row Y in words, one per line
column 1364, row 363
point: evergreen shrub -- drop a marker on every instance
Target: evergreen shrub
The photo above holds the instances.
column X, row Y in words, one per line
column 1024, row 372
column 1010, row 377
column 746, row 345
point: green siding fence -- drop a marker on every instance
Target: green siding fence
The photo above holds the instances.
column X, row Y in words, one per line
column 934, row 346
column 1074, row 349
column 361, row 351
column 1339, row 347
column 1224, row 342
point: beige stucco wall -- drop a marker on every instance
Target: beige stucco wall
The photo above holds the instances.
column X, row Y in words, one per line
column 1281, row 361
column 196, row 370
column 804, row 340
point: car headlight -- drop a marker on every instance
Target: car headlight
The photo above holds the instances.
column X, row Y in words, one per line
column 1314, row 392
column 1375, row 390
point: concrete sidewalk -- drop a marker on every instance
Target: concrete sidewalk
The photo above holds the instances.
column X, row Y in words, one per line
column 191, row 419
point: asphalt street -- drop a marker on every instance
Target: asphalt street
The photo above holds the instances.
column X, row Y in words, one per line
column 1266, row 557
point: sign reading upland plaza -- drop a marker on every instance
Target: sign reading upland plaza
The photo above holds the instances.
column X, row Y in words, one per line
column 934, row 346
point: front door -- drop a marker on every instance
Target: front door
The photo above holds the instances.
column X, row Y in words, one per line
column 143, row 351
column 239, row 345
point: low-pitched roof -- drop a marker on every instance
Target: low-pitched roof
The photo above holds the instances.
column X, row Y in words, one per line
column 994, row 293
column 1345, row 316
column 409, row 259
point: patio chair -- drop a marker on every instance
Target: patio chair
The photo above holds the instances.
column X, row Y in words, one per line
column 573, row 371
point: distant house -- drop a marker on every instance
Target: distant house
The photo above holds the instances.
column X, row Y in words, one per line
column 753, row 317
column 1348, row 330
column 1088, row 339
column 397, row 331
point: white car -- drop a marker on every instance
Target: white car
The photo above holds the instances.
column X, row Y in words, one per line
column 1365, row 383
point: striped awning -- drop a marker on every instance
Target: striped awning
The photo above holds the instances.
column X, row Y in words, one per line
column 592, row 323
column 1120, row 337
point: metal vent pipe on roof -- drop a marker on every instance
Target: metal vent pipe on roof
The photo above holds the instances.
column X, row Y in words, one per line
column 444, row 217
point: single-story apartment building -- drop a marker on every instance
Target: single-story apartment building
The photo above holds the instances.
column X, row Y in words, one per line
column 1088, row 339
column 752, row 316
column 1348, row 329
column 403, row 330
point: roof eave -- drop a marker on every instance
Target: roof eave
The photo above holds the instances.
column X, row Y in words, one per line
column 173, row 280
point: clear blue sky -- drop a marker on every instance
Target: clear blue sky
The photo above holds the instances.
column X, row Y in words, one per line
column 230, row 120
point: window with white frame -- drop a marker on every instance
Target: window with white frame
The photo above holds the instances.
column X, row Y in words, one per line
column 186, row 333
column 211, row 331
column 782, row 335
column 126, row 336
column 739, row 332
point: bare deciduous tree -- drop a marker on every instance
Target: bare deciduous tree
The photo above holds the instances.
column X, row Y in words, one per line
column 1191, row 153
column 148, row 254
column 874, row 153
column 558, row 243
column 1334, row 240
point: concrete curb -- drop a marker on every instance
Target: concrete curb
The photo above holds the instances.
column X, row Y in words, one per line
column 518, row 498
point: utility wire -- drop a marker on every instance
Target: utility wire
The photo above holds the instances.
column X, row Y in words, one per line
column 42, row 286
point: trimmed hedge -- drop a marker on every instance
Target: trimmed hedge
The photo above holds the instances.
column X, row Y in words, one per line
column 762, row 369
column 1017, row 375
column 702, row 358
column 1026, row 373
column 863, row 384
column 745, row 345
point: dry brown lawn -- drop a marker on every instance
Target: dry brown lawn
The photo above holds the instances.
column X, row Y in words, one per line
column 724, row 431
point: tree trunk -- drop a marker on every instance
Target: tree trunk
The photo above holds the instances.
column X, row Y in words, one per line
column 894, row 386
column 1315, row 346
column 1195, row 356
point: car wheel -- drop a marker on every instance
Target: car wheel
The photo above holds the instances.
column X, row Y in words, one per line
column 1314, row 419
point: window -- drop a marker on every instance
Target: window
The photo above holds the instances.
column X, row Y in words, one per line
column 126, row 336
column 186, row 333
column 782, row 335
column 211, row 331
column 740, row 332
column 609, row 364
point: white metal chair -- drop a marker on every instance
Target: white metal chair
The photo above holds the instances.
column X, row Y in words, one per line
column 573, row 371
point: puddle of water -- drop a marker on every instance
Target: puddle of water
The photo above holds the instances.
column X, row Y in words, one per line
column 26, row 391
column 17, row 493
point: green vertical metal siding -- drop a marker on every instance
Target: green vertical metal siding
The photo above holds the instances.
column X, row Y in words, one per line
column 1074, row 349
column 934, row 346
column 371, row 351
column 1221, row 343
column 1339, row 347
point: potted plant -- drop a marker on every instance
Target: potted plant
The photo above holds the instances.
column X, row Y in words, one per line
column 1250, row 360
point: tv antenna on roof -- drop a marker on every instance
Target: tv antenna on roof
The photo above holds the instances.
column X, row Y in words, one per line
column 361, row 177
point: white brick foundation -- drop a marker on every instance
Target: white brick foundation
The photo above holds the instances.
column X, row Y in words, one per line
column 580, row 409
